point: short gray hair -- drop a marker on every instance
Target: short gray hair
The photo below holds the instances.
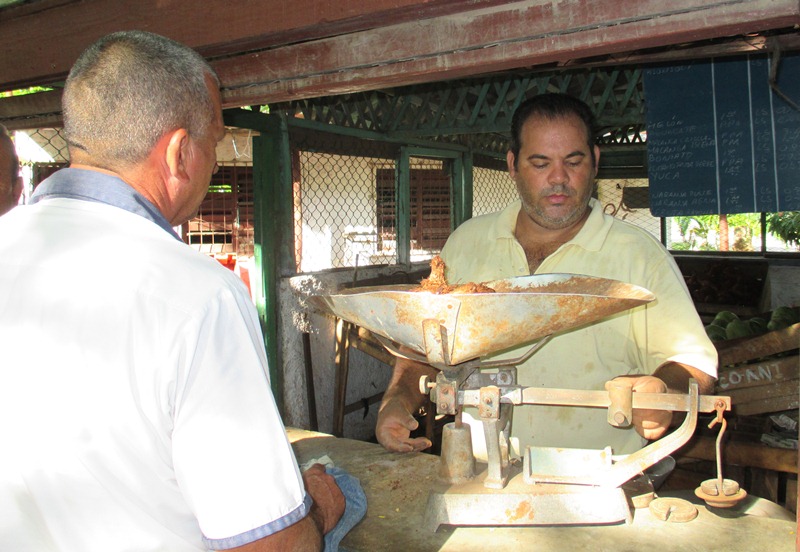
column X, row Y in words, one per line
column 130, row 88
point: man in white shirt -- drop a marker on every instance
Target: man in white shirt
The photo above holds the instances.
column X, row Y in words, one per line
column 136, row 406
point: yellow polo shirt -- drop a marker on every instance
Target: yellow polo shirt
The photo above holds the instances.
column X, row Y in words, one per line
column 636, row 341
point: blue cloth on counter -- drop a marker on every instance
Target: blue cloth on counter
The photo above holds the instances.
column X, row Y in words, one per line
column 354, row 510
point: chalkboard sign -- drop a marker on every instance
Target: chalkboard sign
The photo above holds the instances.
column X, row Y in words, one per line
column 720, row 140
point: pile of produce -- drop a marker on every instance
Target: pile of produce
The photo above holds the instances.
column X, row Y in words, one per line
column 728, row 325
column 725, row 283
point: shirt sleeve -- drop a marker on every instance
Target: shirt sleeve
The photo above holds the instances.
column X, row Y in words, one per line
column 232, row 458
column 673, row 331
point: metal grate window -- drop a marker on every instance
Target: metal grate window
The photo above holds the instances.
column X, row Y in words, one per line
column 224, row 222
column 430, row 206
column 223, row 225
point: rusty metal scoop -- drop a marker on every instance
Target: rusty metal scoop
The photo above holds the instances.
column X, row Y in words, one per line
column 474, row 325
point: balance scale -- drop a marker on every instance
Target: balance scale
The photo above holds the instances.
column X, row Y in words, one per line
column 553, row 486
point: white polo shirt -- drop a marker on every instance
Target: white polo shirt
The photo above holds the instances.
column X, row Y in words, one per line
column 636, row 341
column 135, row 403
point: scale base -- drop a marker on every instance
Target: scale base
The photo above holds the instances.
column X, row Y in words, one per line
column 520, row 503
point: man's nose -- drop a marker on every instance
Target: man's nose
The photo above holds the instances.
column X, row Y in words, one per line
column 558, row 174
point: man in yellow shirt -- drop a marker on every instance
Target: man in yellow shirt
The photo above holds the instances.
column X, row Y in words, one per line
column 556, row 227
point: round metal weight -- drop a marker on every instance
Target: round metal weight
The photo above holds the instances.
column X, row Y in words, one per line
column 711, row 487
column 675, row 510
column 731, row 493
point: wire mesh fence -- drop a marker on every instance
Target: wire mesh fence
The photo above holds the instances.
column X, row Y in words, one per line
column 628, row 200
column 345, row 201
column 493, row 187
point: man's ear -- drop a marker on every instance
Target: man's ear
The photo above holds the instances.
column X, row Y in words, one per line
column 176, row 154
column 596, row 159
column 510, row 161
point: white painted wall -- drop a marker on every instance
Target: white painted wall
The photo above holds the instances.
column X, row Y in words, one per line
column 783, row 286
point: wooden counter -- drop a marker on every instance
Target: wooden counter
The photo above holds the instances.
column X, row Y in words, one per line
column 397, row 487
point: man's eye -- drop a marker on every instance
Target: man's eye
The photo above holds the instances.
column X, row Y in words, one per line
column 539, row 165
column 573, row 163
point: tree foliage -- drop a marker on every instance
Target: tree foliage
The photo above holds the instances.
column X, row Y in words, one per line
column 701, row 232
column 786, row 226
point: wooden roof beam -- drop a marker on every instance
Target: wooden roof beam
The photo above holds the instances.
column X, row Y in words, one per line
column 41, row 40
column 386, row 43
column 512, row 35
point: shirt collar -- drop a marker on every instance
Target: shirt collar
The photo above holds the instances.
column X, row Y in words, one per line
column 506, row 222
column 89, row 185
column 595, row 229
column 590, row 237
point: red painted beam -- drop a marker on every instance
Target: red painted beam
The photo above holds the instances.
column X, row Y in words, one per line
column 514, row 35
column 40, row 41
column 498, row 36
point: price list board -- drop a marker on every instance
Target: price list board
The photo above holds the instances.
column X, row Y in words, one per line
column 720, row 139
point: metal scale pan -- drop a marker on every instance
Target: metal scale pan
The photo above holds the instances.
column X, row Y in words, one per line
column 454, row 331
column 475, row 325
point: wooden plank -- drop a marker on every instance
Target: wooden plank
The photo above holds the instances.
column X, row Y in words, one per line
column 342, row 361
column 740, row 453
column 277, row 51
column 741, row 350
column 363, row 403
column 764, row 483
column 518, row 34
column 765, row 406
column 40, row 42
column 759, row 373
column 373, row 349
column 791, row 495
column 22, row 106
column 763, row 392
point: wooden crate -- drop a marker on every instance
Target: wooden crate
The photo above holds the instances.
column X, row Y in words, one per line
column 761, row 374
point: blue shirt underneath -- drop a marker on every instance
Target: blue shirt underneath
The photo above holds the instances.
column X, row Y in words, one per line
column 89, row 185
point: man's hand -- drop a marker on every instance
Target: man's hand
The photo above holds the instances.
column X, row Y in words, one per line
column 328, row 499
column 650, row 424
column 394, row 427
column 307, row 534
column 402, row 397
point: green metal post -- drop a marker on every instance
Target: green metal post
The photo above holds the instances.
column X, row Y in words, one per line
column 271, row 172
column 462, row 190
column 403, row 216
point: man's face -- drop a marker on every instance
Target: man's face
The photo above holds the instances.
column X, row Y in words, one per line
column 554, row 172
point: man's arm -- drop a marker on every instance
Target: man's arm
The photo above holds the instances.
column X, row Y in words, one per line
column 307, row 534
column 401, row 399
column 676, row 376
column 670, row 377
